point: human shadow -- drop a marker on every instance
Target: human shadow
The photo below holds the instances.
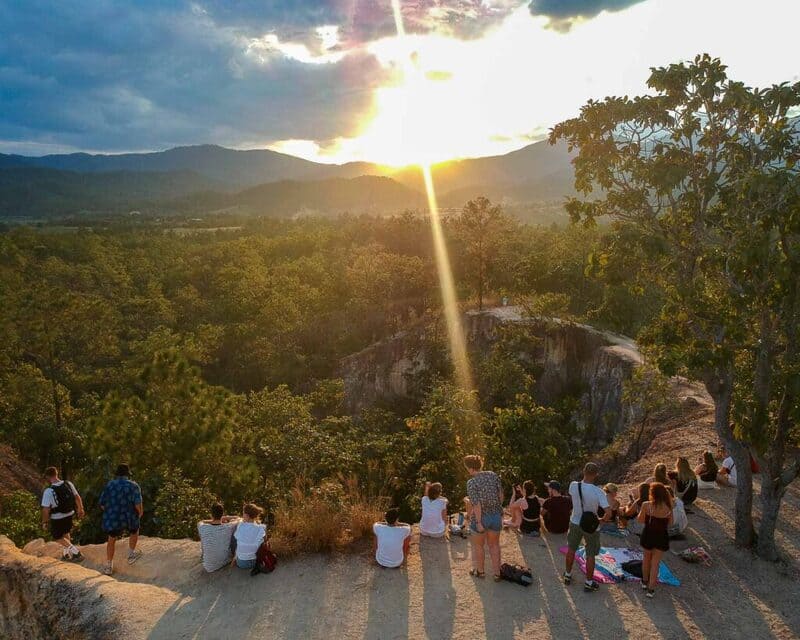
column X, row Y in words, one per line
column 439, row 595
column 387, row 613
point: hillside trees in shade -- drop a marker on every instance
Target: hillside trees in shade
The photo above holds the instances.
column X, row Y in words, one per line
column 706, row 169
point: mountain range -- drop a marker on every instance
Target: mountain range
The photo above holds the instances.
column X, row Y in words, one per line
column 211, row 178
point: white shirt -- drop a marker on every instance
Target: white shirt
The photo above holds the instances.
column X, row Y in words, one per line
column 593, row 498
column 431, row 523
column 249, row 536
column 390, row 543
column 49, row 500
column 730, row 465
column 215, row 542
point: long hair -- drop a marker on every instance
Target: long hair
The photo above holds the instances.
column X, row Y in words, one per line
column 685, row 472
column 709, row 462
column 644, row 492
column 660, row 474
column 659, row 495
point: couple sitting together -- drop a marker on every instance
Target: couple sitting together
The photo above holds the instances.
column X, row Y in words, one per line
column 231, row 539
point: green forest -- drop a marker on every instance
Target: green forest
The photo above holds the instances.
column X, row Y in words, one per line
column 207, row 359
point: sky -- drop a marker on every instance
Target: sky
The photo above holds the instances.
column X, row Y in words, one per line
column 333, row 81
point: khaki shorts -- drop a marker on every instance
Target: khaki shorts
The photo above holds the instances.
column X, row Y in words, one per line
column 576, row 534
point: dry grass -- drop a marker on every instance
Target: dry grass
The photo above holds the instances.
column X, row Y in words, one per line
column 325, row 518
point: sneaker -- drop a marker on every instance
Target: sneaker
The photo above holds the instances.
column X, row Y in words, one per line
column 591, row 586
column 651, row 593
column 644, row 586
column 567, row 578
column 66, row 557
column 108, row 569
column 78, row 557
column 133, row 556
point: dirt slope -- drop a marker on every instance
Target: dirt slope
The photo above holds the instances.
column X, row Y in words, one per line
column 16, row 474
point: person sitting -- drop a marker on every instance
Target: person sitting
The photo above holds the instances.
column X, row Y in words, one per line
column 433, row 522
column 516, row 505
column 392, row 540
column 614, row 506
column 679, row 518
column 530, row 523
column 216, row 538
column 634, row 507
column 249, row 535
column 684, row 481
column 707, row 471
column 556, row 509
column 727, row 474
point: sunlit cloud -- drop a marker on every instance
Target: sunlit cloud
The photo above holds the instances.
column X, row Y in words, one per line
column 266, row 47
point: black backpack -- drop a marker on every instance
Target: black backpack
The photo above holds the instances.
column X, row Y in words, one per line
column 516, row 574
column 65, row 499
column 589, row 520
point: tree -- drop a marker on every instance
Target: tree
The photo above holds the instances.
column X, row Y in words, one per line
column 647, row 392
column 707, row 167
column 480, row 228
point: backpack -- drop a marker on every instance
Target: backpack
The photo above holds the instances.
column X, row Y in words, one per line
column 265, row 560
column 516, row 574
column 589, row 520
column 65, row 499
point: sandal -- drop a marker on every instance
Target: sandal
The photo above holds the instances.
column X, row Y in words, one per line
column 477, row 574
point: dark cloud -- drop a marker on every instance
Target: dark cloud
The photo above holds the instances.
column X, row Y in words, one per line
column 117, row 75
column 562, row 13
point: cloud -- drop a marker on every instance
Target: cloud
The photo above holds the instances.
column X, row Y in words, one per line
column 564, row 13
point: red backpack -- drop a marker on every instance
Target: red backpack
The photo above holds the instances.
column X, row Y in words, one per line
column 265, row 560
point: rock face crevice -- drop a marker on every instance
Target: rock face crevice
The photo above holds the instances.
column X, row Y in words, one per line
column 44, row 598
column 572, row 359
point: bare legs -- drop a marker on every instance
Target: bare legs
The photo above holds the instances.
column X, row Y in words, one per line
column 493, row 541
column 111, row 545
column 652, row 559
column 478, row 542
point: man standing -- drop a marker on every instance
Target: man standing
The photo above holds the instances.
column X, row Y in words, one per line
column 587, row 499
column 121, row 502
column 60, row 503
column 556, row 508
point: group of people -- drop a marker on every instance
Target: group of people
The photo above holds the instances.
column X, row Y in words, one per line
column 120, row 501
column 656, row 513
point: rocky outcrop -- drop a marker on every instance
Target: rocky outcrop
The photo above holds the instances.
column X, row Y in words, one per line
column 572, row 359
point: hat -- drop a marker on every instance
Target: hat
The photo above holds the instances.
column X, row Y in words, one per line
column 555, row 485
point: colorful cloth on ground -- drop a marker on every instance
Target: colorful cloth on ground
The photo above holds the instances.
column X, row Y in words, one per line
column 119, row 500
column 608, row 565
column 611, row 529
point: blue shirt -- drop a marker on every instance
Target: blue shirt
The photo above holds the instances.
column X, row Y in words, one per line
column 119, row 500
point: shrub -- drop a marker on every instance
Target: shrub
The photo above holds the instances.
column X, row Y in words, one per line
column 179, row 506
column 20, row 517
column 324, row 518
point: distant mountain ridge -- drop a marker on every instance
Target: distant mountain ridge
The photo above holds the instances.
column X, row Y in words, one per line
column 94, row 182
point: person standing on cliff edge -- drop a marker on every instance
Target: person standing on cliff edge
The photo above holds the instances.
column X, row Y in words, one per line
column 121, row 502
column 60, row 503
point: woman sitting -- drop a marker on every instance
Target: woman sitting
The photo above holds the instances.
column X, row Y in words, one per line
column 614, row 506
column 433, row 522
column 248, row 536
column 516, row 505
column 684, row 482
column 530, row 524
column 707, row 471
column 634, row 507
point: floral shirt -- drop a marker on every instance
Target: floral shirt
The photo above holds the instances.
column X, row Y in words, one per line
column 484, row 489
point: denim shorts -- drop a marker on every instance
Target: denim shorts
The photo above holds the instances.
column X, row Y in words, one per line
column 490, row 522
column 245, row 564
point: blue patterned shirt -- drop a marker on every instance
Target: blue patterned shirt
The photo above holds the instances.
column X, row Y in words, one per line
column 119, row 500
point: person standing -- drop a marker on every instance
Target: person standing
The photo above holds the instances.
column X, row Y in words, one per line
column 61, row 502
column 556, row 509
column 121, row 502
column 656, row 516
column 587, row 500
column 485, row 494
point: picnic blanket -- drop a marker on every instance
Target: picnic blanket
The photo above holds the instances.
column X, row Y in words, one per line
column 611, row 529
column 608, row 565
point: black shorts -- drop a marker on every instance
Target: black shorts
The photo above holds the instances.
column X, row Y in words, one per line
column 59, row 527
column 118, row 533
